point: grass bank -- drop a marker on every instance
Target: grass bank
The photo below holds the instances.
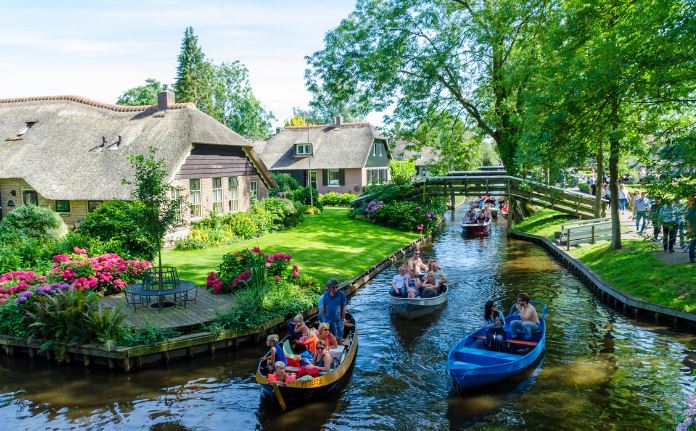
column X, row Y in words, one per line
column 327, row 245
column 633, row 270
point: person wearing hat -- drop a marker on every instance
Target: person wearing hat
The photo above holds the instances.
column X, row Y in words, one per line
column 334, row 309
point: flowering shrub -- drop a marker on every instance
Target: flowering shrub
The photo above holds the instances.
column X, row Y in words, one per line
column 107, row 274
column 404, row 215
column 689, row 422
column 241, row 268
column 14, row 282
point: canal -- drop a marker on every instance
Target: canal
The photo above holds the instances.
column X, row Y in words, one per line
column 601, row 370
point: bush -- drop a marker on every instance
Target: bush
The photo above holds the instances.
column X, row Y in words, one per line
column 312, row 210
column 12, row 320
column 145, row 335
column 302, row 195
column 262, row 217
column 402, row 171
column 34, row 222
column 584, row 187
column 283, row 212
column 406, row 215
column 119, row 224
column 19, row 252
column 286, row 184
column 334, row 199
column 243, row 225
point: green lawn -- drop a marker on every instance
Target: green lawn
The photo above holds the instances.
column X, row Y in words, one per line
column 633, row 269
column 328, row 245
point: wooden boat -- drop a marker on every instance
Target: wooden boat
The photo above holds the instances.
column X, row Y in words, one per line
column 504, row 210
column 410, row 308
column 299, row 392
column 476, row 228
column 469, row 364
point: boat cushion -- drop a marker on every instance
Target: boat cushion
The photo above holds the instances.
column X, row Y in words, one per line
column 337, row 351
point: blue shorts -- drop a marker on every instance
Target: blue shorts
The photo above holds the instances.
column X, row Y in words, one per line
column 336, row 328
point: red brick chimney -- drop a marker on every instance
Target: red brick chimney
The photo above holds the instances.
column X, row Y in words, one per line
column 164, row 99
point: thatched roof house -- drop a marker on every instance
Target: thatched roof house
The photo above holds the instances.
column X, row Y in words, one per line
column 402, row 149
column 68, row 148
column 340, row 157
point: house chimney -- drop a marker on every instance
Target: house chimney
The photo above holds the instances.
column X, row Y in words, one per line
column 164, row 99
column 339, row 121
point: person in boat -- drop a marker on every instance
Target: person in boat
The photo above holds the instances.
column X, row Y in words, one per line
column 413, row 284
column 482, row 201
column 529, row 319
column 400, row 282
column 439, row 274
column 310, row 341
column 300, row 328
column 430, row 286
column 494, row 322
column 279, row 375
column 485, row 216
column 320, row 362
column 335, row 308
column 416, row 264
column 276, row 354
column 469, row 217
column 326, row 336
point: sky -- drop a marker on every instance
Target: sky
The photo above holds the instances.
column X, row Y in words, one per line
column 100, row 49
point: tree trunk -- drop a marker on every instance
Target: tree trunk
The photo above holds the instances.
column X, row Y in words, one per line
column 599, row 183
column 614, row 150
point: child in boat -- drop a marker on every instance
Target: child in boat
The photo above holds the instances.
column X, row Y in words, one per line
column 310, row 341
column 276, row 353
column 413, row 284
column 279, row 375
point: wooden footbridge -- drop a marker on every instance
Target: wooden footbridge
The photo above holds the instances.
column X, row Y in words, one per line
column 494, row 181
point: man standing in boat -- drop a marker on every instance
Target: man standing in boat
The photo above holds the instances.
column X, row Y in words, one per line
column 334, row 309
column 529, row 320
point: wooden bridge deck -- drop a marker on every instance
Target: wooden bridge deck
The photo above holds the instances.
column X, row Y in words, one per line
column 202, row 310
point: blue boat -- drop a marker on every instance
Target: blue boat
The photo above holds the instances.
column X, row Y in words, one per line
column 470, row 364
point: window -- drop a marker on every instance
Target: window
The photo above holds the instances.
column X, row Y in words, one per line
column 175, row 195
column 334, row 178
column 377, row 176
column 93, row 205
column 217, row 195
column 377, row 149
column 254, row 189
column 62, row 206
column 233, row 194
column 30, row 197
column 195, row 198
column 303, row 149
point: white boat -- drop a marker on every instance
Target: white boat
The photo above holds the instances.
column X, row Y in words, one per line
column 410, row 308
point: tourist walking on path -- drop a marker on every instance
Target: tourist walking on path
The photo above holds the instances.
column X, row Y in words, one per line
column 335, row 303
column 623, row 198
column 641, row 207
column 654, row 214
column 670, row 217
column 593, row 185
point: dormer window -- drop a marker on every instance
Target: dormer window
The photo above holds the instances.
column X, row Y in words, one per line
column 303, row 149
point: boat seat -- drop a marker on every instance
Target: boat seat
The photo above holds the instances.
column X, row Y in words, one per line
column 482, row 357
column 512, row 341
column 337, row 352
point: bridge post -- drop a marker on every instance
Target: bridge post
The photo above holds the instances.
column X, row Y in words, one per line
column 452, row 199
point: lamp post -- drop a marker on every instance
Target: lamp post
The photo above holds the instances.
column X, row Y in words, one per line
column 309, row 169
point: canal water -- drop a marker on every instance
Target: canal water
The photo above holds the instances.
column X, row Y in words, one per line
column 601, row 370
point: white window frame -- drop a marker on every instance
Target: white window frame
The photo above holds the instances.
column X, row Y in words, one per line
column 233, row 194
column 333, row 182
column 303, row 149
column 254, row 189
column 218, row 205
column 195, row 198
column 174, row 194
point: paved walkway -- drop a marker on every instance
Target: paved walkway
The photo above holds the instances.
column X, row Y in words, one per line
column 628, row 229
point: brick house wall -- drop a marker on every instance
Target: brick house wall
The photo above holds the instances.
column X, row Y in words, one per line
column 78, row 208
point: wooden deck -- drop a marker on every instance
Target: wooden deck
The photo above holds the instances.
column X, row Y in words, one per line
column 196, row 312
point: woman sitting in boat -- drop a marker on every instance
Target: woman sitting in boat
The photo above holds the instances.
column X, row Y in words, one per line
column 494, row 321
column 320, row 362
column 430, row 287
column 326, row 336
column 469, row 217
column 276, row 354
column 413, row 284
column 485, row 216
column 440, row 277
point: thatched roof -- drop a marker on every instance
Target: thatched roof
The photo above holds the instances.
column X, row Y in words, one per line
column 334, row 147
column 61, row 154
column 423, row 157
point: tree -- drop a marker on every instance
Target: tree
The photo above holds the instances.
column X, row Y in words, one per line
column 193, row 73
column 617, row 70
column 151, row 188
column 141, row 95
column 297, row 121
column 402, row 171
column 467, row 58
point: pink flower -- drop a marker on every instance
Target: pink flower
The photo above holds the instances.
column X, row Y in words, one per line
column 79, row 250
column 256, row 250
column 277, row 278
column 295, row 274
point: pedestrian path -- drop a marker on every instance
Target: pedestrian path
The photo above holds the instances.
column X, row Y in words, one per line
column 628, row 231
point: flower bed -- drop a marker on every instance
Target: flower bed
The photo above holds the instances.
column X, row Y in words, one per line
column 107, row 274
column 404, row 215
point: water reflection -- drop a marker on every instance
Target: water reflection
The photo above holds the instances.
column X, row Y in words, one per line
column 600, row 371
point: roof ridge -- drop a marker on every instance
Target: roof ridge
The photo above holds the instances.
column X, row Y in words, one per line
column 97, row 104
column 357, row 123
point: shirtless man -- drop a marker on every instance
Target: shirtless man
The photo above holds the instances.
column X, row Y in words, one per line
column 529, row 320
column 416, row 264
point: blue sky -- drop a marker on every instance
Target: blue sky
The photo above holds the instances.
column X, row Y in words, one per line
column 99, row 49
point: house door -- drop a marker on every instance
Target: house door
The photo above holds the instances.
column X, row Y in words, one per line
column 313, row 179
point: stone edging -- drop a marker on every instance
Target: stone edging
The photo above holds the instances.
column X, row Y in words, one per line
column 607, row 293
column 129, row 358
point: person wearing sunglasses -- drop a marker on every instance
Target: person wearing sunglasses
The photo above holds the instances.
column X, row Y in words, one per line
column 334, row 309
column 416, row 264
column 326, row 336
column 320, row 362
